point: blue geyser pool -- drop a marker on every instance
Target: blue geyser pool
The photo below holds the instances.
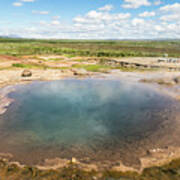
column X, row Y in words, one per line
column 99, row 119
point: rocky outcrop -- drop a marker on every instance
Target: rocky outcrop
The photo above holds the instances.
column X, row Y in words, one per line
column 177, row 80
column 163, row 81
column 26, row 73
column 80, row 72
column 115, row 63
column 159, row 81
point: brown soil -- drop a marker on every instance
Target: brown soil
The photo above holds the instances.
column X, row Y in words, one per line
column 9, row 58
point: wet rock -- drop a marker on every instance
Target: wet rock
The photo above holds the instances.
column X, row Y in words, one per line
column 80, row 72
column 148, row 152
column 166, row 147
column 160, row 81
column 26, row 73
column 165, row 81
column 116, row 164
column 177, row 80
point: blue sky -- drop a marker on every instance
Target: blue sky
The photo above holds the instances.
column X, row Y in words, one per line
column 90, row 19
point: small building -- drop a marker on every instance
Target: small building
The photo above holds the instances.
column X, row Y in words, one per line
column 168, row 60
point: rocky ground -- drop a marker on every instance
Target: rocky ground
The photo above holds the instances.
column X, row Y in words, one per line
column 57, row 67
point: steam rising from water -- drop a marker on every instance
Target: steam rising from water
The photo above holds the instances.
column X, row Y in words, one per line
column 80, row 113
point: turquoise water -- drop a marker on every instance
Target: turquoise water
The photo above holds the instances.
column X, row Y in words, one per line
column 79, row 118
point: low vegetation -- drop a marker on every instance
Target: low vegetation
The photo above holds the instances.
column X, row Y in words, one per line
column 29, row 66
column 103, row 48
column 170, row 171
column 93, row 68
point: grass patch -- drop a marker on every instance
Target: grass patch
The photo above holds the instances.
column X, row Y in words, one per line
column 36, row 66
column 79, row 60
column 69, row 55
column 55, row 59
column 29, row 66
column 93, row 68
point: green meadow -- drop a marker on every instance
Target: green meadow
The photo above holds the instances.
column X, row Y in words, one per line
column 97, row 48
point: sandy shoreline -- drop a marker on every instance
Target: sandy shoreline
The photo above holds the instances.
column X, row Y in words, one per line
column 153, row 157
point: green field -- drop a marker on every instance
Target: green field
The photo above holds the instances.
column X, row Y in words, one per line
column 97, row 48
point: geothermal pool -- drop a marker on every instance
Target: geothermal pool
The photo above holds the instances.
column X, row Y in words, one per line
column 94, row 118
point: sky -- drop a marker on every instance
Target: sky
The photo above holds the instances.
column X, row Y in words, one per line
column 90, row 19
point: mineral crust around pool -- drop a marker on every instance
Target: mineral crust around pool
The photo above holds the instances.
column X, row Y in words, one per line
column 4, row 100
column 92, row 120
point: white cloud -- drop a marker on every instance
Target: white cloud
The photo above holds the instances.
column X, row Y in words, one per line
column 147, row 14
column 104, row 24
column 17, row 4
column 170, row 17
column 136, row 28
column 94, row 17
column 158, row 2
column 94, row 14
column 20, row 3
column 40, row 12
column 56, row 17
column 28, row 0
column 135, row 3
column 55, row 22
column 159, row 28
column 138, row 21
column 107, row 7
column 171, row 7
column 171, row 12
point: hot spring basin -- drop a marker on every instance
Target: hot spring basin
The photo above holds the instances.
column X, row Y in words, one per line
column 98, row 119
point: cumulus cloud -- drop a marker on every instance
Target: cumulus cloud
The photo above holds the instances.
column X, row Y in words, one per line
column 40, row 12
column 17, row 4
column 135, row 3
column 138, row 21
column 170, row 17
column 107, row 7
column 171, row 12
column 171, row 7
column 147, row 14
column 20, row 3
column 56, row 17
column 55, row 22
column 28, row 0
column 136, row 28
column 100, row 17
column 102, row 23
column 158, row 2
